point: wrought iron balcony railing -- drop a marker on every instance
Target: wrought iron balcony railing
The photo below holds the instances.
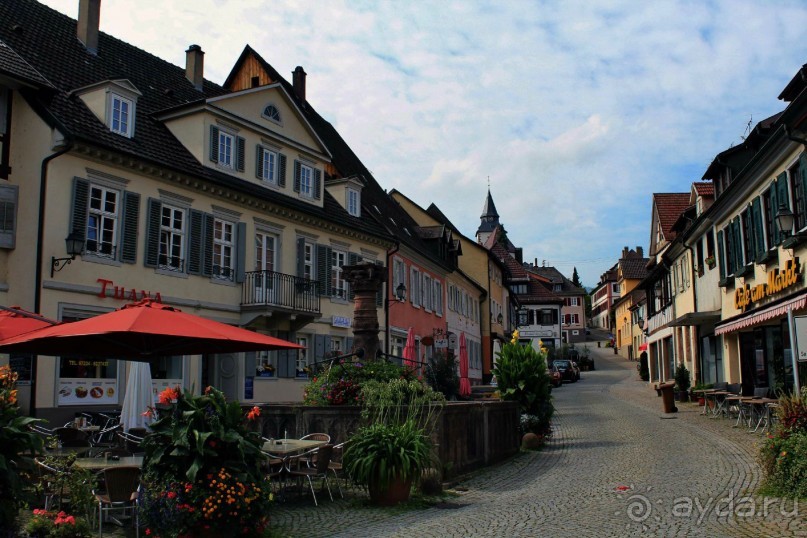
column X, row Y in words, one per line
column 268, row 288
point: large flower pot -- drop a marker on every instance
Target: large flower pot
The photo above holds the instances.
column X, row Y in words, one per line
column 396, row 492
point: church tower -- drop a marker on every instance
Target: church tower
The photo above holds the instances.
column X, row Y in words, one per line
column 490, row 220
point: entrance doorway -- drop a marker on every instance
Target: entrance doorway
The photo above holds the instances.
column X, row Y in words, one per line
column 221, row 372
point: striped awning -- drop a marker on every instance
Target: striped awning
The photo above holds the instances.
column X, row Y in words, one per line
column 765, row 314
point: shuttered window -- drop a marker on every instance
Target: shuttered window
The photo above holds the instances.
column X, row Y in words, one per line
column 227, row 149
column 721, row 255
column 105, row 219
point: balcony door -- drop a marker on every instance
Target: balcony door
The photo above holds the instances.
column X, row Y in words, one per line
column 265, row 262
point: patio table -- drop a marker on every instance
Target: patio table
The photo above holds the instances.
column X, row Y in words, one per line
column 762, row 408
column 720, row 402
column 285, row 447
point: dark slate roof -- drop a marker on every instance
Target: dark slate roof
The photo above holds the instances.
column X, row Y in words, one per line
column 669, row 207
column 634, row 268
column 737, row 157
column 795, row 86
column 556, row 277
column 538, row 294
column 13, row 65
column 47, row 40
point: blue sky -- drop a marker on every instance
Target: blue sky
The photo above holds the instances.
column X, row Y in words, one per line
column 577, row 111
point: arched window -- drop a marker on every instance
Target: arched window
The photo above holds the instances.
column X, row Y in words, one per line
column 271, row 113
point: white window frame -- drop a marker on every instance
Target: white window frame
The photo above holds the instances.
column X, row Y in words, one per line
column 269, row 158
column 338, row 283
column 125, row 125
column 438, row 298
column 426, row 290
column 301, row 362
column 226, row 149
column 353, row 202
column 102, row 217
column 306, row 181
column 278, row 119
column 309, row 251
column 398, row 273
column 172, row 237
column 223, row 249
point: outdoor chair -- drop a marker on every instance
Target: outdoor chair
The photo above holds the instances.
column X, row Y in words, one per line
column 320, row 471
column 335, row 465
column 105, row 437
column 122, row 488
column 314, row 437
column 130, row 442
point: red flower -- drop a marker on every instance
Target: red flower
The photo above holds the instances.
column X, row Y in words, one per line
column 254, row 413
column 172, row 494
column 148, row 532
column 169, row 395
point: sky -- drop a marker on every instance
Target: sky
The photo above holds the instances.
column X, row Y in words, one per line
column 574, row 112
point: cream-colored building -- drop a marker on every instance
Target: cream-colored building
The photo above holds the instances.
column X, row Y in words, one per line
column 222, row 203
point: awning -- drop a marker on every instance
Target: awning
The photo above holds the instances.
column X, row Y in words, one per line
column 696, row 319
column 763, row 315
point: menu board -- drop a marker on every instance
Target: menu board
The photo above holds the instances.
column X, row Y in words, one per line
column 87, row 391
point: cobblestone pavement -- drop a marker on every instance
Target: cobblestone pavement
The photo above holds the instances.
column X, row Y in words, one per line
column 613, row 467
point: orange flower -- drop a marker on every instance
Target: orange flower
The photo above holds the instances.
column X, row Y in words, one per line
column 169, row 395
column 254, row 413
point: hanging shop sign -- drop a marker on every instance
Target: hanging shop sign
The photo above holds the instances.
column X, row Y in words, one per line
column 341, row 321
column 109, row 290
column 778, row 281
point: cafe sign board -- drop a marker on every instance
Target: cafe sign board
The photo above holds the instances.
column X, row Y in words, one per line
column 778, row 281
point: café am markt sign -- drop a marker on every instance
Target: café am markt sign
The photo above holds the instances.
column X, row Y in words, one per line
column 778, row 281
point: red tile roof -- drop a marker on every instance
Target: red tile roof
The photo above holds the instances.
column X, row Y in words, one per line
column 669, row 207
column 704, row 188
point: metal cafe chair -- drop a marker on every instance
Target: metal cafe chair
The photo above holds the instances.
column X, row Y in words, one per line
column 320, row 471
column 122, row 487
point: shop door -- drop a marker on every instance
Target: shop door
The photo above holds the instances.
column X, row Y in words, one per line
column 265, row 263
column 747, row 362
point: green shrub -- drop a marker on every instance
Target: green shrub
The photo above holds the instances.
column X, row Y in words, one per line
column 340, row 383
column 522, row 377
column 45, row 524
column 783, row 456
column 682, row 382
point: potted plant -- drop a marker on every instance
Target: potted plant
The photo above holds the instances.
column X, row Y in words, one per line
column 710, row 261
column 682, row 383
column 394, row 446
column 699, row 395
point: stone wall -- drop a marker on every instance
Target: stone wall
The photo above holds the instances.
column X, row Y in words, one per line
column 469, row 435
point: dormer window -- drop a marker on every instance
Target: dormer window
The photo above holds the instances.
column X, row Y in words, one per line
column 120, row 115
column 271, row 113
column 226, row 149
column 353, row 202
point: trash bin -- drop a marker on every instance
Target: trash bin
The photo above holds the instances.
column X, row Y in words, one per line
column 667, row 393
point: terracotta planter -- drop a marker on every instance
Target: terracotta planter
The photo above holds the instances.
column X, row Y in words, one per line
column 701, row 401
column 396, row 492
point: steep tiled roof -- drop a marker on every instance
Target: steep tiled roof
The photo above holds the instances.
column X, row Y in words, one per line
column 669, row 207
column 516, row 270
column 556, row 277
column 13, row 65
column 538, row 293
column 47, row 40
column 634, row 268
column 704, row 189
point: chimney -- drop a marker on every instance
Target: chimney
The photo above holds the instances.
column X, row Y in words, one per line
column 195, row 66
column 625, row 252
column 640, row 252
column 298, row 82
column 89, row 17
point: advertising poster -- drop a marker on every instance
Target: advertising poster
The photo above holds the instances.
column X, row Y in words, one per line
column 88, row 391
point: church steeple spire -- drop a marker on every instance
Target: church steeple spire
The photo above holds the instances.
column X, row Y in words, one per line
column 489, row 218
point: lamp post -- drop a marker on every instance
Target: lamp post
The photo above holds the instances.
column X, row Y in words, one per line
column 74, row 245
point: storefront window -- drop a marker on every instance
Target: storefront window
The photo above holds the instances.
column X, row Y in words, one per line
column 87, row 381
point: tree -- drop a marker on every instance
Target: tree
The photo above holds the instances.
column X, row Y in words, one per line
column 576, row 278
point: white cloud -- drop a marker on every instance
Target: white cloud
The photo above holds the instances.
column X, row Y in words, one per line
column 577, row 110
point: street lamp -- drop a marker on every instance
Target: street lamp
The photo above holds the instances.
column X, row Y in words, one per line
column 784, row 219
column 500, row 318
column 74, row 244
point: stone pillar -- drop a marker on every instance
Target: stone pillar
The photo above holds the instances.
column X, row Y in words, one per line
column 365, row 280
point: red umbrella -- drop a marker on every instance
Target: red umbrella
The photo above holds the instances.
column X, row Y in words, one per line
column 15, row 321
column 409, row 353
column 465, row 384
column 141, row 331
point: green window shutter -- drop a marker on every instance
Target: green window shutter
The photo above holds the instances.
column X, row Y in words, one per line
column 240, row 252
column 324, row 269
column 319, row 347
column 773, row 195
column 300, row 257
column 782, row 199
column 281, row 170
column 195, row 240
column 758, row 227
column 352, row 259
column 259, row 161
column 81, row 201
column 214, row 143
column 317, row 184
column 240, row 144
column 297, row 172
column 131, row 212
column 207, row 244
column 283, row 357
column 721, row 255
column 152, row 255
column 738, row 243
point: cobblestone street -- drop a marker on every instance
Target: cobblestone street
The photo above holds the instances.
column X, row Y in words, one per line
column 612, row 468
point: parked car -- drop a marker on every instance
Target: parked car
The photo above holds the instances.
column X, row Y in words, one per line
column 555, row 377
column 568, row 369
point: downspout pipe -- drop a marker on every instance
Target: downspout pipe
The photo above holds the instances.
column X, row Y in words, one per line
column 40, row 240
column 386, row 297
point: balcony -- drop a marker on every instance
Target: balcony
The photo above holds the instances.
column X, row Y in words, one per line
column 285, row 292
